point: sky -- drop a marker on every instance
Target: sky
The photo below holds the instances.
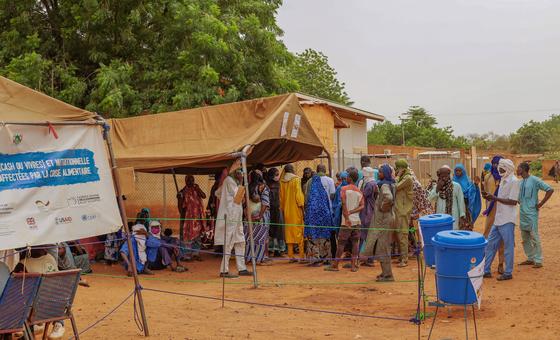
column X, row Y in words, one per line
column 476, row 65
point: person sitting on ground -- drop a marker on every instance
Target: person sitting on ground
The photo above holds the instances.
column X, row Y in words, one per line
column 72, row 256
column 352, row 203
column 139, row 246
column 112, row 245
column 38, row 260
column 161, row 254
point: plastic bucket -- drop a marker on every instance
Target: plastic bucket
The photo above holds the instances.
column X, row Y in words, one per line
column 456, row 253
column 430, row 225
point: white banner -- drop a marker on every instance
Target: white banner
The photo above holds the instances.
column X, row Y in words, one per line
column 476, row 276
column 55, row 185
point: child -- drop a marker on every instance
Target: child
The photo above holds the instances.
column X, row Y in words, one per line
column 352, row 203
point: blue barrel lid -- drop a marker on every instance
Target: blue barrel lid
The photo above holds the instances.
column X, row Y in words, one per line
column 435, row 219
column 459, row 239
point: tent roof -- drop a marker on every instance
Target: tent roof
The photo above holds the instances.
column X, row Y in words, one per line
column 22, row 104
column 204, row 140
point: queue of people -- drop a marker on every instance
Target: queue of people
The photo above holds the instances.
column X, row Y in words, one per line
column 367, row 214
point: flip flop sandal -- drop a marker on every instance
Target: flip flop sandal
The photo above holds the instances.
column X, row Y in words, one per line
column 331, row 269
column 180, row 269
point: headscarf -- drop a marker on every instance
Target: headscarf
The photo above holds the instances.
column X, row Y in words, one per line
column 143, row 217
column 464, row 179
column 487, row 167
column 140, row 241
column 317, row 211
column 368, row 173
column 402, row 164
column 495, row 172
column 155, row 229
column 387, row 172
column 337, row 201
column 446, row 193
column 471, row 192
column 508, row 166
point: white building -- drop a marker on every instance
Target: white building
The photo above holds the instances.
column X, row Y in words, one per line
column 350, row 142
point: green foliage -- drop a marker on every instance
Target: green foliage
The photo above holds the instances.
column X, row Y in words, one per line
column 489, row 141
column 316, row 77
column 532, row 137
column 120, row 57
column 420, row 129
column 536, row 168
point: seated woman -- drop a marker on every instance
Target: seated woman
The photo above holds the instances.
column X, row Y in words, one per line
column 141, row 242
column 162, row 254
column 72, row 256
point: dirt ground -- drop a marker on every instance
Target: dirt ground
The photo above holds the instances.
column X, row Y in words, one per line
column 524, row 308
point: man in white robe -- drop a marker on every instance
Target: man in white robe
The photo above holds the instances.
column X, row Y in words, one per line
column 233, row 229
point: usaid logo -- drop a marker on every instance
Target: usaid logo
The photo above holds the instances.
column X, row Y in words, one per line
column 88, row 217
column 63, row 220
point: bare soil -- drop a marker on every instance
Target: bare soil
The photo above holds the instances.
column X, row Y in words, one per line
column 526, row 307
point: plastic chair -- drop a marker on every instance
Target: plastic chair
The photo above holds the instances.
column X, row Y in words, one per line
column 55, row 298
column 16, row 303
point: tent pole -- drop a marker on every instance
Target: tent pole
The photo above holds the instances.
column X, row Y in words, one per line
column 181, row 217
column 137, row 287
column 249, row 221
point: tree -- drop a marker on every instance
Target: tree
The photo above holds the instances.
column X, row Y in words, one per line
column 489, row 141
column 532, row 137
column 122, row 57
column 420, row 129
column 420, row 117
column 314, row 75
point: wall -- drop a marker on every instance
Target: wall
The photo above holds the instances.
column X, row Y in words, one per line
column 547, row 164
column 322, row 121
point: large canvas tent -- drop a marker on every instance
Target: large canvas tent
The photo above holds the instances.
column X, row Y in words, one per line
column 22, row 104
column 272, row 131
column 56, row 178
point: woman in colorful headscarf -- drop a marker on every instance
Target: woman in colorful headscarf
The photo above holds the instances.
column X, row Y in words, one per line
column 194, row 216
column 318, row 222
column 471, row 193
column 491, row 186
column 259, row 209
column 403, row 207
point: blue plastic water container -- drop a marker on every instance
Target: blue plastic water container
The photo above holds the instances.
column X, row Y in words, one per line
column 456, row 253
column 431, row 225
